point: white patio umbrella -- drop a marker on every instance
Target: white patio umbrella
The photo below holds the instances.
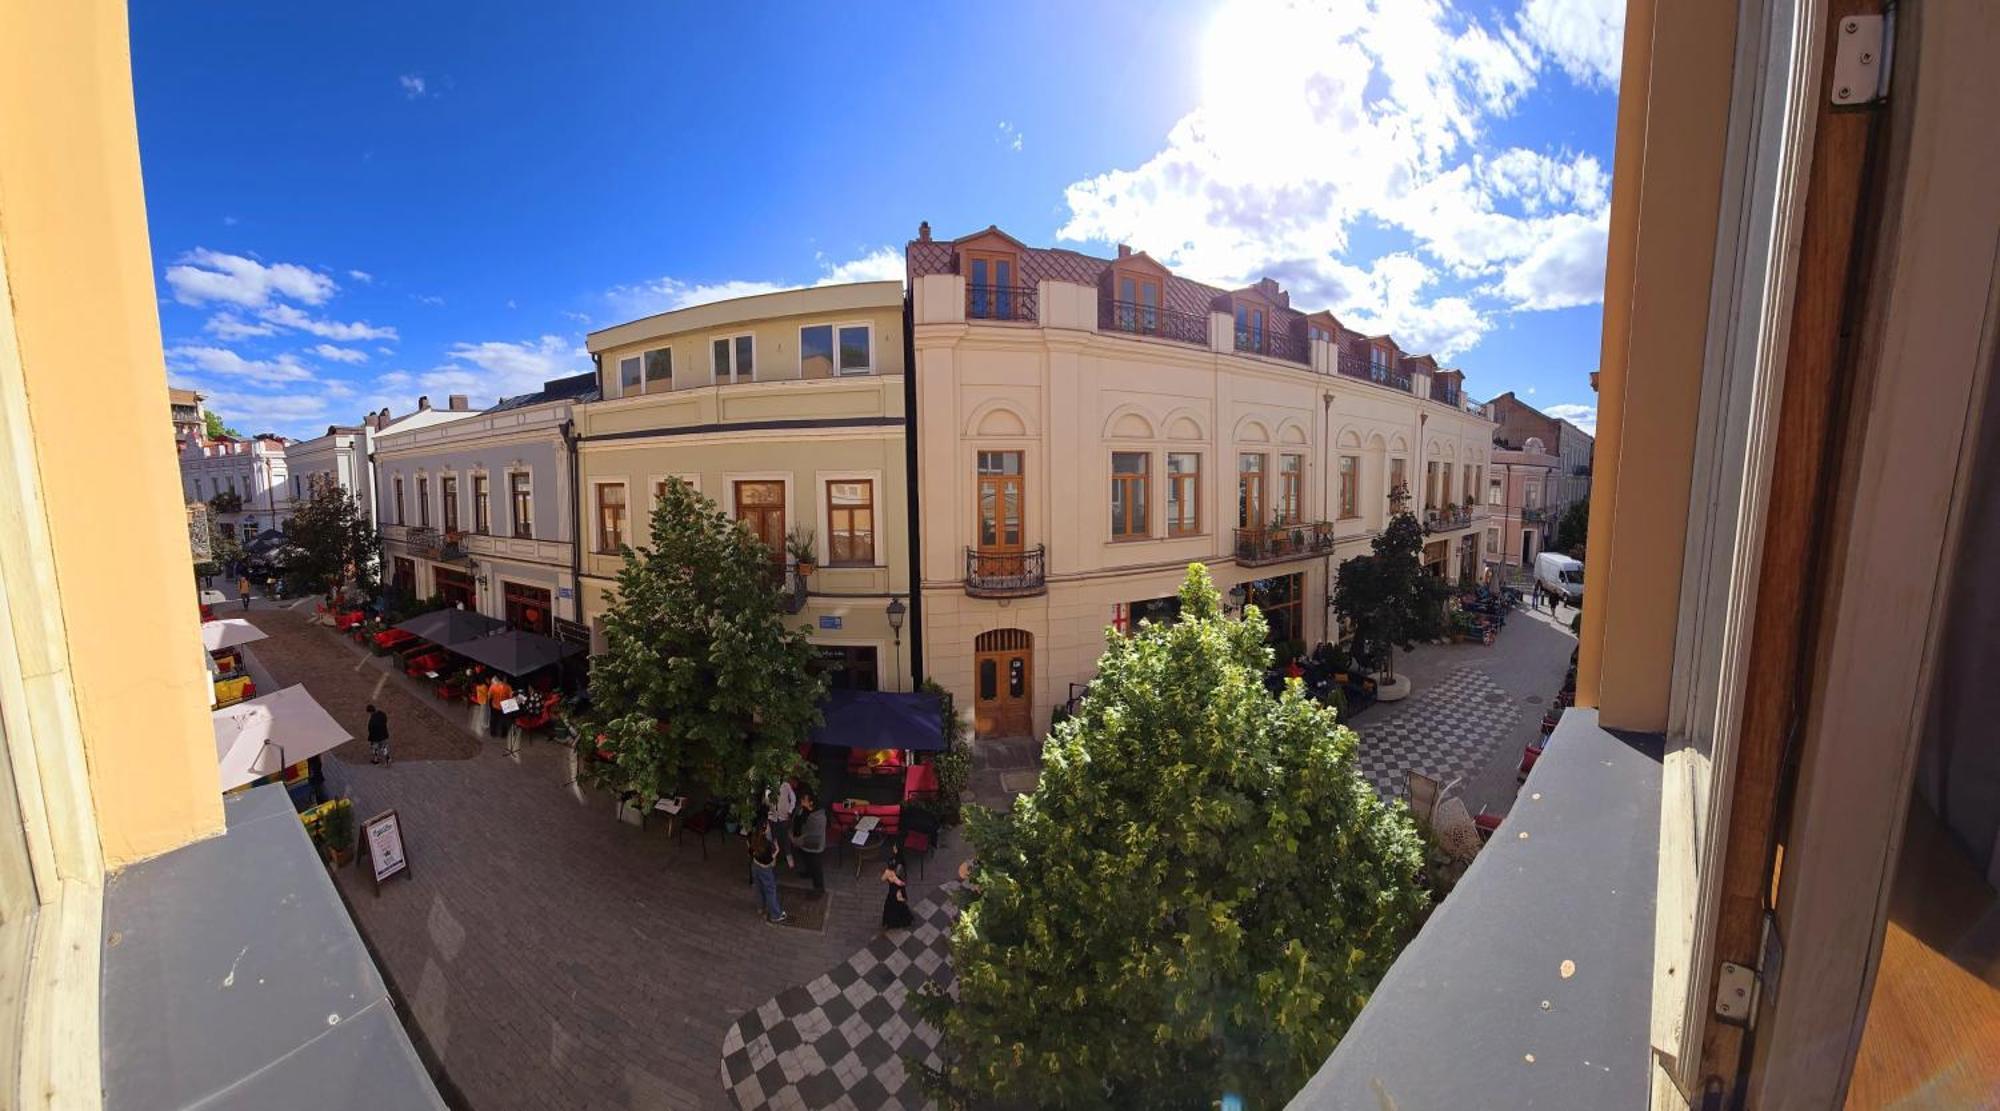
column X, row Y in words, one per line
column 228, row 633
column 264, row 735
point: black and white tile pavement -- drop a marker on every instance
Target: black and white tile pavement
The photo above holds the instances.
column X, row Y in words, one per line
column 1444, row 730
column 841, row 1041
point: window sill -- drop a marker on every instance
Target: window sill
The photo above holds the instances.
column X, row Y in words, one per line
column 1478, row 1010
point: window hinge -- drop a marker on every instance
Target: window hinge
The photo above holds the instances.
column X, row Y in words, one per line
column 1736, row 993
column 1861, row 59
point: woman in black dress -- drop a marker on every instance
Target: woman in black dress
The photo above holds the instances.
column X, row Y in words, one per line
column 896, row 900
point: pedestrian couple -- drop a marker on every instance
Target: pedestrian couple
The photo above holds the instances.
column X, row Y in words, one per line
column 794, row 828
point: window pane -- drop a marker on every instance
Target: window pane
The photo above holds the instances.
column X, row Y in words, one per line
column 660, row 365
column 854, row 349
column 744, row 348
column 1016, row 673
column 722, row 358
column 628, row 372
column 1126, row 290
column 816, row 351
column 989, row 676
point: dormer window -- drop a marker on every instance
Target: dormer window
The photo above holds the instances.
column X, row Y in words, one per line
column 991, row 292
column 1138, row 304
column 1249, row 328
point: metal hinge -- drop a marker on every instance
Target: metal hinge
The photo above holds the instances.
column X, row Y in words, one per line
column 1861, row 59
column 1735, row 993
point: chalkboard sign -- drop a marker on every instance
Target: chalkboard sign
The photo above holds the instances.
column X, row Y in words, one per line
column 572, row 632
column 384, row 836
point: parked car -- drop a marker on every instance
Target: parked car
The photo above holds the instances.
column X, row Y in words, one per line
column 1560, row 576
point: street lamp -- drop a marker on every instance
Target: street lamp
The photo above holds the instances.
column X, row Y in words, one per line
column 895, row 614
column 1237, row 597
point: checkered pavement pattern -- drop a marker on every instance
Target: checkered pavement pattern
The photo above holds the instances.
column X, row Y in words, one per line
column 1443, row 730
column 842, row 1041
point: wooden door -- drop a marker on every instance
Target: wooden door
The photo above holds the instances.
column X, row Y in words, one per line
column 760, row 507
column 1001, row 494
column 1003, row 683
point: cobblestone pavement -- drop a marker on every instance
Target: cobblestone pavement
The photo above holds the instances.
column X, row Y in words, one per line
column 844, row 1040
column 549, row 955
column 1472, row 709
column 345, row 681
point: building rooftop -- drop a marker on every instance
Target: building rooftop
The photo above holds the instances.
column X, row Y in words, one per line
column 576, row 387
column 759, row 306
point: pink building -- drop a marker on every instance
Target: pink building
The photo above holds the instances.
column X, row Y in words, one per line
column 1517, row 497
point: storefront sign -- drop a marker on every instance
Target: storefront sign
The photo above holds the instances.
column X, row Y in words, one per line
column 565, row 592
column 572, row 632
column 384, row 835
column 829, row 622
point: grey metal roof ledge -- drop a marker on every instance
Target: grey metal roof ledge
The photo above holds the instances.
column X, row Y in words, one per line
column 233, row 977
column 1531, row 986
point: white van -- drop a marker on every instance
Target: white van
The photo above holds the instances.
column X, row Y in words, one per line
column 1560, row 576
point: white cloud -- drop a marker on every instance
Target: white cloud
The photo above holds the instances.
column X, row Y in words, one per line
column 665, row 294
column 229, row 221
column 1008, row 136
column 202, row 276
column 339, row 354
column 230, row 326
column 362, row 276
column 413, row 85
column 1586, row 38
column 286, row 316
column 487, row 371
column 1321, row 120
column 221, row 360
column 431, row 299
column 1583, row 416
column 293, row 414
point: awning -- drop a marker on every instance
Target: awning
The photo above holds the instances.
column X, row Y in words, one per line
column 451, row 627
column 228, row 633
column 881, row 719
column 266, row 542
column 265, row 735
column 514, row 652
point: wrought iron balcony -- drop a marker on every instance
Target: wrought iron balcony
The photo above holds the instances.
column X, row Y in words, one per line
column 1447, row 517
column 1151, row 320
column 1006, row 574
column 424, row 540
column 1534, row 515
column 1277, row 543
column 1444, row 393
column 1278, row 345
column 1000, row 302
column 1378, row 373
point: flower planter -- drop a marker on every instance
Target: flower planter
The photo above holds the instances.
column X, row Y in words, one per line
column 1392, row 690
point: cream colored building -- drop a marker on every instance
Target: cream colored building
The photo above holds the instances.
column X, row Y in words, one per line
column 787, row 410
column 1088, row 427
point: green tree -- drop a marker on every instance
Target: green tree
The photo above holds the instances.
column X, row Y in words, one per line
column 1386, row 596
column 329, row 542
column 216, row 429
column 226, row 501
column 1574, row 528
column 702, row 689
column 1197, row 897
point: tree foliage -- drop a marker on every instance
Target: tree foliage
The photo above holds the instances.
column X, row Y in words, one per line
column 702, row 689
column 216, row 429
column 1574, row 528
column 329, row 542
column 1387, row 596
column 226, row 501
column 1197, row 898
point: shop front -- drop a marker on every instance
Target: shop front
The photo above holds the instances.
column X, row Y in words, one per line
column 1437, row 556
column 1282, row 600
column 848, row 667
column 1127, row 616
column 527, row 607
column 456, row 588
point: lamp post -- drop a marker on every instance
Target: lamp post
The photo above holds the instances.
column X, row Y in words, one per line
column 895, row 614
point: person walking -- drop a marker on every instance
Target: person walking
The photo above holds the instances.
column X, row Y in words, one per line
column 243, row 590
column 764, row 874
column 809, row 839
column 378, row 735
column 497, row 718
column 896, row 900
column 784, row 804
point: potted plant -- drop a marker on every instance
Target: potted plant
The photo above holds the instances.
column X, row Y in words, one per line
column 800, row 545
column 337, row 834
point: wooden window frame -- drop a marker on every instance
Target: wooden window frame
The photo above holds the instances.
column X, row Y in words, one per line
column 1350, row 487
column 1249, row 515
column 482, row 503
column 402, row 519
column 423, row 501
column 1291, row 489
column 602, row 532
column 1011, row 287
column 832, row 511
column 979, row 476
column 1184, row 487
column 1137, row 526
column 448, row 502
column 521, row 526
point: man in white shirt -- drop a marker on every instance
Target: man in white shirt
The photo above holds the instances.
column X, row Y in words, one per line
column 786, row 801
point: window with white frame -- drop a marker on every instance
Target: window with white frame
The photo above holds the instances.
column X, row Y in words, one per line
column 735, row 358
column 659, row 369
column 629, row 380
column 829, row 349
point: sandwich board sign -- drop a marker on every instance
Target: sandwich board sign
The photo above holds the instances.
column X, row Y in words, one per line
column 384, row 835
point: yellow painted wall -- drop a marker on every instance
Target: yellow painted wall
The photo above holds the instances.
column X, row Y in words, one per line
column 774, row 320
column 73, row 225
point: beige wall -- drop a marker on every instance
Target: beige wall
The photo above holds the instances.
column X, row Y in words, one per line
column 633, row 441
column 773, row 319
column 1067, row 397
column 87, row 338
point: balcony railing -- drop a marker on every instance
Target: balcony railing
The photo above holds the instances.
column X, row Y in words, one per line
column 1278, row 345
column 1448, row 517
column 1444, row 393
column 1006, row 574
column 1278, row 543
column 1000, row 302
column 1151, row 320
column 445, row 547
column 1534, row 515
column 1373, row 372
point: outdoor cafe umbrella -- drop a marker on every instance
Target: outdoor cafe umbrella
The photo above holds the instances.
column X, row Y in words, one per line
column 228, row 633
column 264, row 735
column 909, row 720
column 450, row 627
column 514, row 652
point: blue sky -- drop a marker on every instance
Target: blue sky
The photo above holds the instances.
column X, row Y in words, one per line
column 350, row 206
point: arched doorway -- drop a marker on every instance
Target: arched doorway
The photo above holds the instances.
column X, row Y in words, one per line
column 1003, row 683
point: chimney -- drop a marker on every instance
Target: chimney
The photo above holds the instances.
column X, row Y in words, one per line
column 1124, row 251
column 924, row 232
column 423, row 404
column 459, row 403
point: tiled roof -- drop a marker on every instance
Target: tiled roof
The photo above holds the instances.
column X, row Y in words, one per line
column 577, row 387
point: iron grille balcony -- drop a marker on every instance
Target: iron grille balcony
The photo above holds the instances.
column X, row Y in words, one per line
column 1533, row 515
column 1006, row 574
column 1151, row 320
column 1000, row 302
column 1277, row 345
column 1278, row 543
column 1377, row 373
column 1444, row 393
column 425, row 541
column 1447, row 517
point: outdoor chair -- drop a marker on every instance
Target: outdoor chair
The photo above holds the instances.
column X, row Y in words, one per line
column 702, row 821
column 1424, row 794
column 920, row 781
column 920, row 836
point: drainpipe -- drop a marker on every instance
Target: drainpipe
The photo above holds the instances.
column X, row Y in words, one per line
column 568, row 432
column 915, row 532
